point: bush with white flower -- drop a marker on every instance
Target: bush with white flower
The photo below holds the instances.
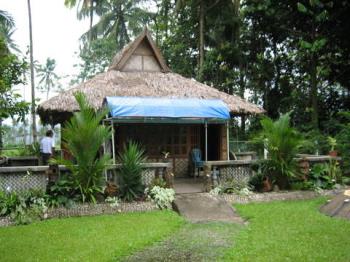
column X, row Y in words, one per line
column 216, row 191
column 112, row 201
column 162, row 197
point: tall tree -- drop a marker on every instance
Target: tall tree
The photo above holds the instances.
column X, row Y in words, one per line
column 118, row 20
column 11, row 73
column 7, row 25
column 203, row 7
column 48, row 77
column 85, row 8
column 34, row 131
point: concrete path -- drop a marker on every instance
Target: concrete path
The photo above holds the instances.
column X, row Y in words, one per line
column 205, row 208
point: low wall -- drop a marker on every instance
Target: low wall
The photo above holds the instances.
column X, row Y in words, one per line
column 223, row 171
column 36, row 177
column 241, row 171
column 19, row 161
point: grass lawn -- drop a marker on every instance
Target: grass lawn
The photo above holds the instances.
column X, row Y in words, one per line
column 193, row 242
column 98, row 238
column 290, row 231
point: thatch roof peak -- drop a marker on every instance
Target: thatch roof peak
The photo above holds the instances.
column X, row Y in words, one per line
column 139, row 52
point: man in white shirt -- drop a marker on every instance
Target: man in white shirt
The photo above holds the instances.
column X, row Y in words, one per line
column 47, row 147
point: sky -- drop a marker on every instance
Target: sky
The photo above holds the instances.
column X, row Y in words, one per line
column 56, row 32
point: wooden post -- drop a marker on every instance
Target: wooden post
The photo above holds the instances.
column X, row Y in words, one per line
column 207, row 177
column 206, row 140
column 104, row 152
column 228, row 140
column 113, row 142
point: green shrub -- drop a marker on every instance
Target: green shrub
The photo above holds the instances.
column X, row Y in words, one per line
column 343, row 140
column 282, row 142
column 23, row 208
column 62, row 193
column 320, row 177
column 83, row 136
column 131, row 159
column 314, row 143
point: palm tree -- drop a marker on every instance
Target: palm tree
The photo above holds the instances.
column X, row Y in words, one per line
column 83, row 137
column 118, row 20
column 48, row 77
column 85, row 8
column 7, row 25
column 32, row 72
column 282, row 142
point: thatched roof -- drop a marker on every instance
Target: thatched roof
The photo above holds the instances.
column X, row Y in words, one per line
column 149, row 78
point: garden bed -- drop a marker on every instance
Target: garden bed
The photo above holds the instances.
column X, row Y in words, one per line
column 92, row 210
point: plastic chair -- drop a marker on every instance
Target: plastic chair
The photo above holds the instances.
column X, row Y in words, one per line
column 197, row 160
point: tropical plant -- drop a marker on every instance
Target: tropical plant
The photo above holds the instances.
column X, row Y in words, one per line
column 85, row 8
column 282, row 142
column 332, row 142
column 131, row 158
column 11, row 74
column 23, row 208
column 83, row 136
column 117, row 19
column 62, row 193
column 7, row 25
column 48, row 77
column 320, row 177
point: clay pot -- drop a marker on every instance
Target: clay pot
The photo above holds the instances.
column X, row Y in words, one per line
column 333, row 153
column 111, row 189
column 267, row 185
column 304, row 166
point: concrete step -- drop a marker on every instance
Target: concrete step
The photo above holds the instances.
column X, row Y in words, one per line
column 202, row 207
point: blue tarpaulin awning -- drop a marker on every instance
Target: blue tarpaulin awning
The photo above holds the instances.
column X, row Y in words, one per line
column 149, row 107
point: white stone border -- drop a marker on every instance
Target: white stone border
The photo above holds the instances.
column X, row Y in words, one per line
column 92, row 210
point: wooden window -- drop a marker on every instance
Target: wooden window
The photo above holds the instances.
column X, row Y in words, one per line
column 157, row 138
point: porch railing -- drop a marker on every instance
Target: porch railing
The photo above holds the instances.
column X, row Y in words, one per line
column 219, row 172
column 240, row 171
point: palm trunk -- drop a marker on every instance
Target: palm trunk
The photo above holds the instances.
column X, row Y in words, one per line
column 32, row 72
column 1, row 142
column 313, row 92
column 201, row 39
column 91, row 19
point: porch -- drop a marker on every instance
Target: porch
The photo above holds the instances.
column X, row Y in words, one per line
column 169, row 129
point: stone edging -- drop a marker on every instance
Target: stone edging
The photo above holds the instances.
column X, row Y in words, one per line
column 91, row 210
column 275, row 196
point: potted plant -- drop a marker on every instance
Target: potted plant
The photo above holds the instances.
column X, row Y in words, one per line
column 333, row 143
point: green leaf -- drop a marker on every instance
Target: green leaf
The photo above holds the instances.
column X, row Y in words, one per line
column 301, row 8
column 305, row 44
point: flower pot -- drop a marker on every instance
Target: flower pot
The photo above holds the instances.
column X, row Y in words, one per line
column 267, row 185
column 333, row 153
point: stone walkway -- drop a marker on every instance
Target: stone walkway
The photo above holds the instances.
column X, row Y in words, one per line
column 205, row 208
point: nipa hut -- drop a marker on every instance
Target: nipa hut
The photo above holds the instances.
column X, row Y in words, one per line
column 162, row 110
